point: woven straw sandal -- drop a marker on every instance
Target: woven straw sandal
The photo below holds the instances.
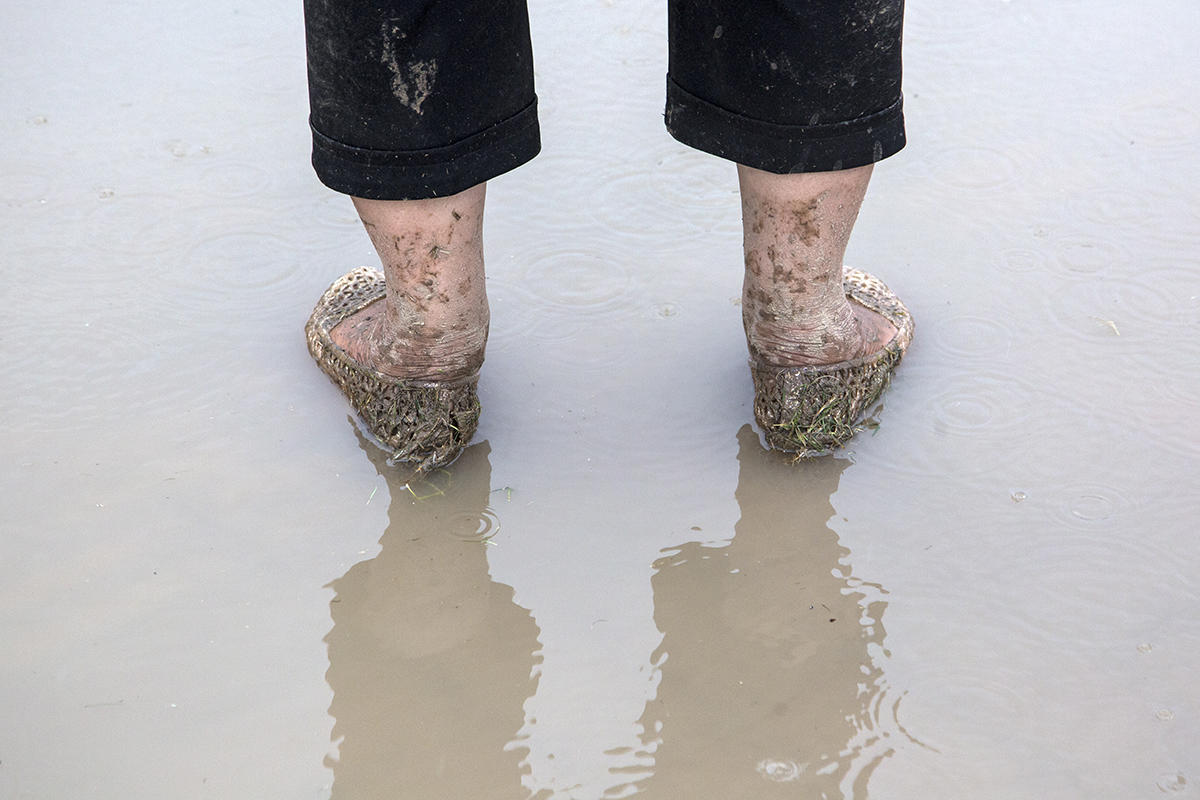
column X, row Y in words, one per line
column 426, row 422
column 812, row 411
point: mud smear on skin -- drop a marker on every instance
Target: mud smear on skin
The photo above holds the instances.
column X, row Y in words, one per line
column 411, row 335
column 800, row 282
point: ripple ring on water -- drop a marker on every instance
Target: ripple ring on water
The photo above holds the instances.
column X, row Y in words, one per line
column 628, row 204
column 1089, row 255
column 991, row 405
column 242, row 260
column 779, row 771
column 235, row 179
column 1090, row 506
column 1022, row 260
column 975, row 168
column 690, row 180
column 1160, row 124
column 580, row 279
column 972, row 337
column 471, row 527
column 1090, row 310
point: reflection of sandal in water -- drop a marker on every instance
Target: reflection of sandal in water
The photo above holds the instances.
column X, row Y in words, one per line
column 811, row 411
column 427, row 422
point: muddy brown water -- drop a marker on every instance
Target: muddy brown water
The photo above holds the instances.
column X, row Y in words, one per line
column 211, row 587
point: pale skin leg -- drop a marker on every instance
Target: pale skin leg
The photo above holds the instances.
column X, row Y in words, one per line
column 433, row 322
column 795, row 230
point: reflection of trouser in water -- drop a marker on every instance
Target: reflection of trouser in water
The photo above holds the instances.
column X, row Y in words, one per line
column 417, row 99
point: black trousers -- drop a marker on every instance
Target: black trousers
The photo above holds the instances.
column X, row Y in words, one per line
column 424, row 98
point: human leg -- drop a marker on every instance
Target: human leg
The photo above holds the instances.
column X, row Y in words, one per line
column 415, row 105
column 804, row 95
column 795, row 230
column 412, row 99
column 433, row 322
column 823, row 339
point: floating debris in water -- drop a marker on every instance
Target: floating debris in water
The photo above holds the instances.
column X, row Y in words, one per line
column 780, row 771
column 1172, row 783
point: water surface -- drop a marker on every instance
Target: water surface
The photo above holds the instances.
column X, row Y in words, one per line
column 211, row 586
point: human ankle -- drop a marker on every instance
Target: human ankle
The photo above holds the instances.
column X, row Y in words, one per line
column 809, row 336
column 432, row 347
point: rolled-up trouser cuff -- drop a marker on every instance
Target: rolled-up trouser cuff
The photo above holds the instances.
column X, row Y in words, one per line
column 437, row 172
column 783, row 148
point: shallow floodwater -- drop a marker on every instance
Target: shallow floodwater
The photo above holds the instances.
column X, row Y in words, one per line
column 212, row 587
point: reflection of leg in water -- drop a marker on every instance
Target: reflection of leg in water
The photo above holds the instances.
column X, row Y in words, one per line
column 769, row 685
column 430, row 661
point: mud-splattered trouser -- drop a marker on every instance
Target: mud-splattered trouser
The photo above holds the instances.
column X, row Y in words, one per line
column 424, row 98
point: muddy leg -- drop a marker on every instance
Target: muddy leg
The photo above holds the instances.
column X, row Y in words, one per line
column 433, row 323
column 795, row 230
